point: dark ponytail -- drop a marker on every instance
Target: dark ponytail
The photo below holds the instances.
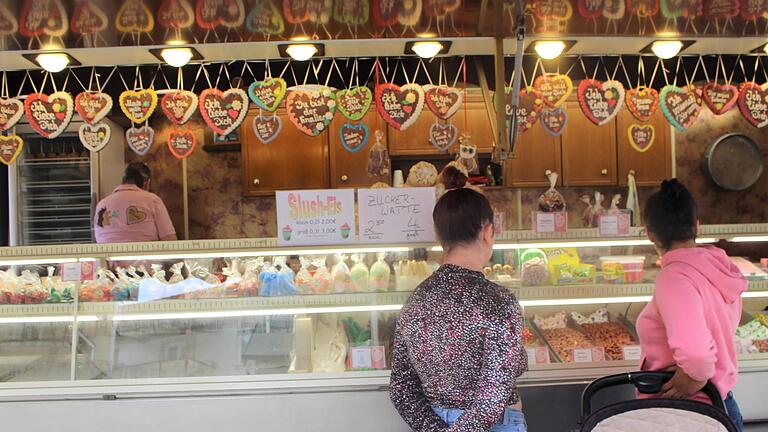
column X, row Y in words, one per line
column 452, row 178
column 671, row 214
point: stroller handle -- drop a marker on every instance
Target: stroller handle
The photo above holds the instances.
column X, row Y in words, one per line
column 647, row 382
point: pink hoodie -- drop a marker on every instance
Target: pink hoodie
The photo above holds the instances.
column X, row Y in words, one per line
column 693, row 316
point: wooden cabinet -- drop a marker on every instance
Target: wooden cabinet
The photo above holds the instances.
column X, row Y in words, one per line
column 589, row 151
column 654, row 164
column 536, row 152
column 350, row 170
column 414, row 141
column 293, row 160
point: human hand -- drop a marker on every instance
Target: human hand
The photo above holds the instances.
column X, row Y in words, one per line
column 681, row 386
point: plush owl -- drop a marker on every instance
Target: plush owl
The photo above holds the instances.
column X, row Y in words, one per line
column 468, row 155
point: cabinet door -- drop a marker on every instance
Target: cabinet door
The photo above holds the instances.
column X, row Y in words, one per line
column 589, row 151
column 651, row 166
column 536, row 152
column 414, row 141
column 293, row 160
column 350, row 170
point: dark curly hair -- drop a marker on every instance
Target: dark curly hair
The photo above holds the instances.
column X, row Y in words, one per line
column 671, row 214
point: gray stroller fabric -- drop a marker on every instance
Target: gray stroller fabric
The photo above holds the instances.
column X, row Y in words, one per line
column 660, row 420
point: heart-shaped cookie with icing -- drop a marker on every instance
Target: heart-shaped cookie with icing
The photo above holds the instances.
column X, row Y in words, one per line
column 93, row 106
column 223, row 111
column 181, row 143
column 354, row 103
column 11, row 110
column 311, row 108
column 720, row 98
column 600, row 101
column 443, row 101
column 353, row 136
column 753, row 103
column 138, row 105
column 642, row 102
column 140, row 139
column 443, row 136
column 680, row 105
column 554, row 122
column 134, row 16
column 94, row 137
column 553, row 88
column 10, row 148
column 267, row 129
column 400, row 106
column 49, row 114
column 641, row 137
column 179, row 106
column 267, row 94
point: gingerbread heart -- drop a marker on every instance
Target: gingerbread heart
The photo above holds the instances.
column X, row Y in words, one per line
column 590, row 9
column 8, row 23
column 385, row 13
column 442, row 137
column 138, row 105
column 354, row 103
column 353, row 136
column 267, row 94
column 267, row 129
column 752, row 10
column 43, row 17
column 554, row 122
column 528, row 110
column 681, row 106
column 223, row 111
column 11, row 110
column 721, row 9
column 641, row 137
column 212, row 13
column 311, row 108
column 720, row 98
column 320, row 11
column 88, row 18
column 134, row 215
column 440, row 8
column 296, row 11
column 94, row 137
column 643, row 8
column 600, row 101
column 181, row 143
column 93, row 106
column 409, row 12
column 614, row 9
column 179, row 106
column 265, row 18
column 554, row 89
column 10, row 148
column 753, row 103
column 140, row 139
column 443, row 101
column 49, row 114
column 399, row 106
column 351, row 12
column 176, row 14
column 642, row 102
column 558, row 10
column 134, row 16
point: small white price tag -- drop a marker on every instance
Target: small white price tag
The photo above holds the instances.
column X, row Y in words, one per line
column 361, row 358
column 614, row 225
column 547, row 223
column 531, row 355
column 582, row 355
column 632, row 352
column 71, row 272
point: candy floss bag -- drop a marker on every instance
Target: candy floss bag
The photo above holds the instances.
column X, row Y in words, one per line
column 359, row 273
column 379, row 274
column 321, row 283
column 342, row 279
column 304, row 277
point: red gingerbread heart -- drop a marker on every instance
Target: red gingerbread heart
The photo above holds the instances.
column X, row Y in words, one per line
column 554, row 89
column 181, row 143
column 88, row 18
column 600, row 101
column 93, row 106
column 176, row 14
column 399, row 106
column 179, row 106
column 443, row 101
column 217, row 108
column 720, row 98
column 212, row 13
column 642, row 102
column 753, row 103
column 49, row 114
column 11, row 110
column 39, row 17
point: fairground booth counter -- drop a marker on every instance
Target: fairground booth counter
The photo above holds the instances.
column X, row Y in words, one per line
column 297, row 145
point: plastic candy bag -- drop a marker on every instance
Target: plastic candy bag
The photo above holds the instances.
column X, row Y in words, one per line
column 341, row 276
column 321, row 283
column 286, row 280
column 250, row 284
column 304, row 277
column 359, row 274
column 551, row 200
column 379, row 274
column 378, row 157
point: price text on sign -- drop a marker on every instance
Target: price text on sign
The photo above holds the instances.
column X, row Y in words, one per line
column 396, row 215
column 614, row 225
column 316, row 217
column 556, row 222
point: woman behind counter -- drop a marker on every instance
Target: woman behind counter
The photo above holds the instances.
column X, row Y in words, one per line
column 457, row 351
column 689, row 324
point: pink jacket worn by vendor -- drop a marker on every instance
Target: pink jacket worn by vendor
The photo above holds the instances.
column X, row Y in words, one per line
column 692, row 318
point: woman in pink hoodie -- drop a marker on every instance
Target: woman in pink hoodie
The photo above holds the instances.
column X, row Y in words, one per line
column 689, row 324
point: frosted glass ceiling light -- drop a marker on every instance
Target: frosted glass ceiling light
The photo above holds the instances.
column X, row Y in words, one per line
column 427, row 49
column 549, row 50
column 666, row 49
column 53, row 62
column 176, row 57
column 301, row 52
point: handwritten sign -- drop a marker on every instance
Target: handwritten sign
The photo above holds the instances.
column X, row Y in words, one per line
column 317, row 217
column 396, row 215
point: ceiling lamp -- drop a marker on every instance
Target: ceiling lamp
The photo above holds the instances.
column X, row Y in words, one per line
column 301, row 52
column 666, row 49
column 176, row 57
column 549, row 50
column 53, row 62
column 427, row 49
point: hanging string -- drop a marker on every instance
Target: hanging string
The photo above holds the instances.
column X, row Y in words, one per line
column 754, row 72
column 5, row 86
column 656, row 69
column 285, row 68
column 81, row 83
column 90, row 79
column 568, row 72
column 34, row 86
column 741, row 65
column 695, row 70
column 626, row 74
column 641, row 70
column 218, row 75
column 762, row 66
column 376, row 66
column 464, row 72
column 154, row 77
column 109, row 78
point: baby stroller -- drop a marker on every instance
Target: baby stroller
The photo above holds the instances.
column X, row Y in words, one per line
column 658, row 415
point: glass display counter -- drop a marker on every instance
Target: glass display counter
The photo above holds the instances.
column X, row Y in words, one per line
column 244, row 315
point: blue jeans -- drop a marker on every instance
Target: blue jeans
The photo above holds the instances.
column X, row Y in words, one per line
column 734, row 412
column 513, row 420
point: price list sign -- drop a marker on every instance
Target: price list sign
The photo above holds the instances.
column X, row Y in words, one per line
column 315, row 217
column 396, row 215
